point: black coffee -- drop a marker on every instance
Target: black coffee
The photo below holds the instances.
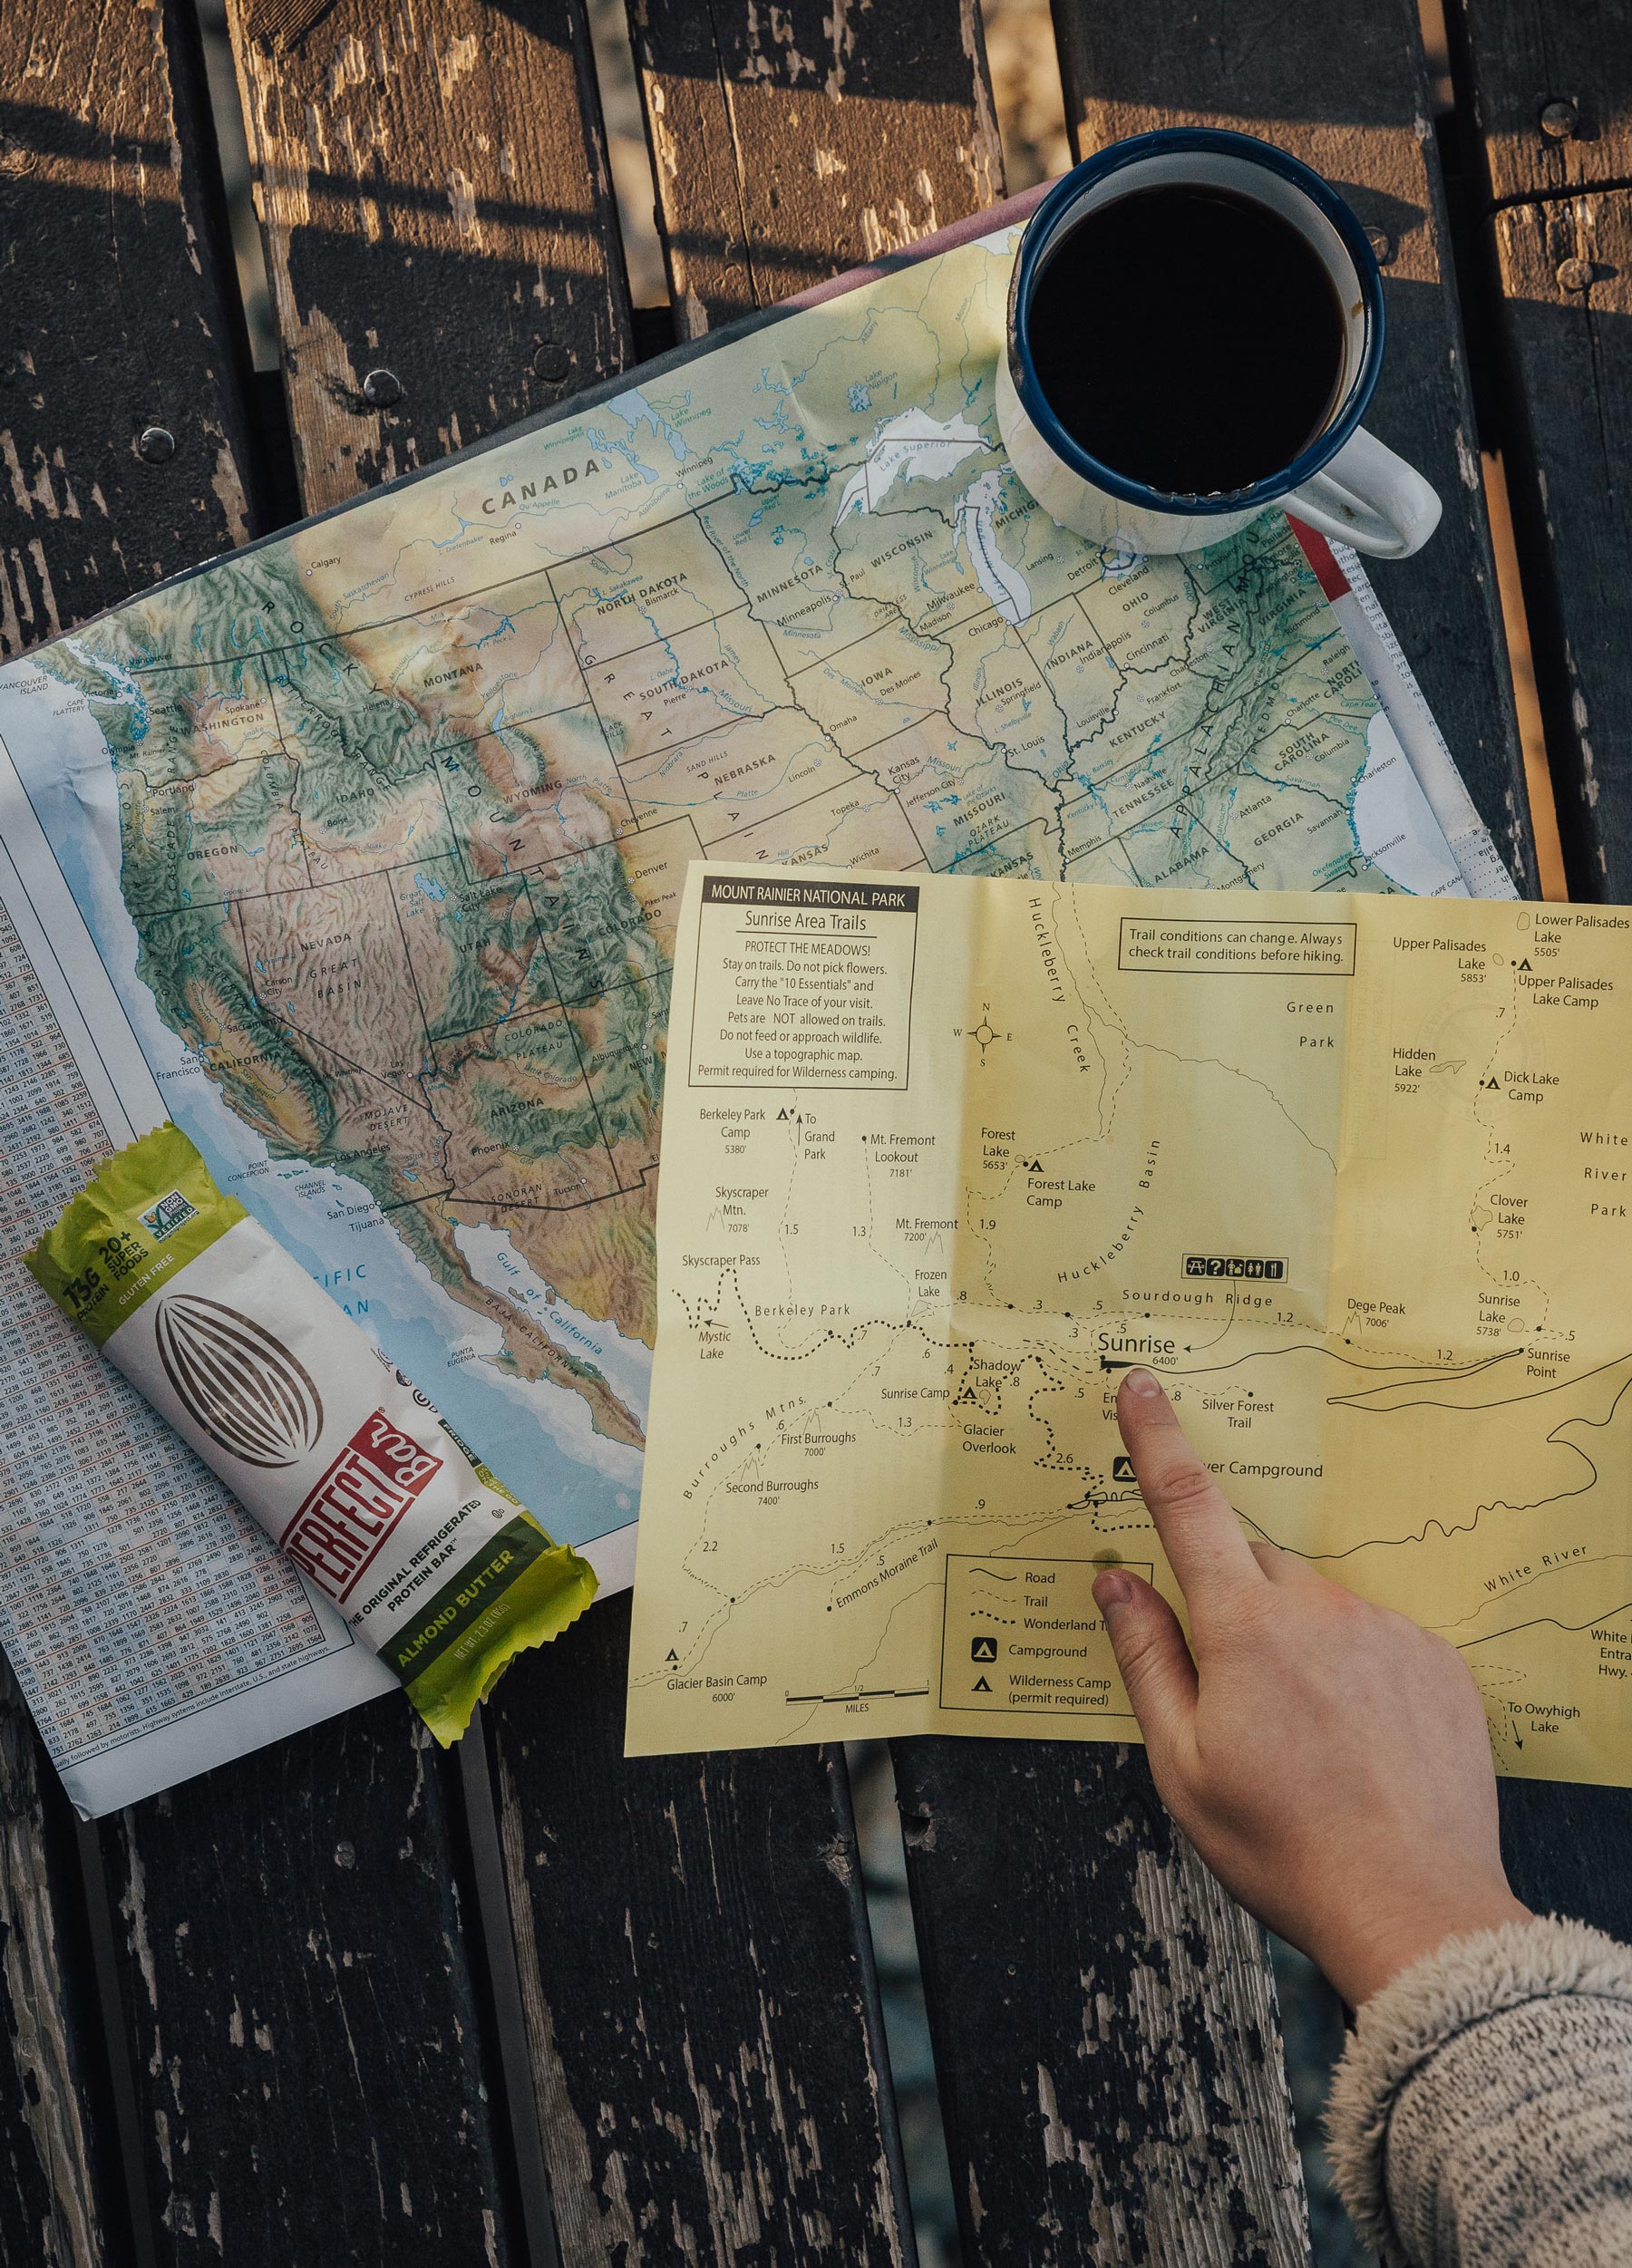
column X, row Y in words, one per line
column 1188, row 338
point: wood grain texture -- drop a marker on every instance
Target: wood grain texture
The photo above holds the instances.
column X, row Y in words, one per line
column 302, row 2020
column 435, row 204
column 1344, row 89
column 52, row 2147
column 303, row 2025
column 1568, row 352
column 697, row 1982
column 1106, row 2033
column 792, row 142
column 1513, row 59
column 119, row 313
column 1560, row 254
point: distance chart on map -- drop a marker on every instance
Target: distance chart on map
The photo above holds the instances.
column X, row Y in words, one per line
column 1351, row 1174
column 367, row 840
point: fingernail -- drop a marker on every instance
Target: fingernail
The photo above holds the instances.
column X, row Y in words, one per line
column 1112, row 1589
column 1140, row 1381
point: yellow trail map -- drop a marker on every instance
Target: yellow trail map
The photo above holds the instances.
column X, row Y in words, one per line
column 942, row 1156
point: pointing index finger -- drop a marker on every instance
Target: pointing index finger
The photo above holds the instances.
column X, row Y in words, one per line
column 1198, row 1527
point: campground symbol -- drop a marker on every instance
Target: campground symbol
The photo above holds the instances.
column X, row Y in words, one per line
column 1122, row 1469
column 983, row 1650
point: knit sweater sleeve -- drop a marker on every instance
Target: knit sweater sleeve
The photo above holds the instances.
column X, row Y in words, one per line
column 1482, row 2115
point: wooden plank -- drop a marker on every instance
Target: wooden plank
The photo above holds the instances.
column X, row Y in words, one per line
column 121, row 314
column 698, row 1985
column 1569, row 1850
column 1344, row 89
column 303, row 1996
column 1564, row 272
column 792, row 142
column 54, row 2161
column 1549, row 87
column 302, row 2017
column 437, row 214
column 122, row 322
column 1143, row 2113
column 1563, row 294
column 1107, row 2037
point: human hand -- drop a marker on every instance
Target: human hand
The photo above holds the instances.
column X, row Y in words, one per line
column 1328, row 1758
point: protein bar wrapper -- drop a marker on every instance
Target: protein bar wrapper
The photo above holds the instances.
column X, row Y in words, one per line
column 435, row 1564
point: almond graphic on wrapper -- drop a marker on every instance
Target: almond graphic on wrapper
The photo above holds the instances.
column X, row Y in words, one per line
column 237, row 1382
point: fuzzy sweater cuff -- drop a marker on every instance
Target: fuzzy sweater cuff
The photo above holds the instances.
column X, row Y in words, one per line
column 1408, row 2210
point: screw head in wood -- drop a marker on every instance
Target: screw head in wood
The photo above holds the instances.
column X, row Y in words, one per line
column 1575, row 275
column 551, row 360
column 381, row 388
column 155, row 445
column 1382, row 244
column 1560, row 119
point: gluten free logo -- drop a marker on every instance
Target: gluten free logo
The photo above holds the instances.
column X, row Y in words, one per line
column 237, row 1382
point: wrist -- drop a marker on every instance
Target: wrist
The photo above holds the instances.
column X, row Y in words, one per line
column 1360, row 1959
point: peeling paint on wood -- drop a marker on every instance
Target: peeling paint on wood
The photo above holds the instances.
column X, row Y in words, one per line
column 434, row 200
column 698, row 1982
column 50, row 2214
column 1106, row 2034
column 1569, row 352
column 301, row 2018
column 1345, row 90
column 792, row 142
column 119, row 314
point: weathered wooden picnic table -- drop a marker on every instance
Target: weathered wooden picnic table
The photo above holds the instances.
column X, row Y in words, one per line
column 351, row 1999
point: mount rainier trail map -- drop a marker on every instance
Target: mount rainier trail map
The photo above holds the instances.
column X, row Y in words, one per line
column 1351, row 1174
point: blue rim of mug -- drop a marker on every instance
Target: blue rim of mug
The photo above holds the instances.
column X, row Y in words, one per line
column 1035, row 246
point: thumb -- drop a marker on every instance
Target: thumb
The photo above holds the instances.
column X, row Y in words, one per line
column 1153, row 1656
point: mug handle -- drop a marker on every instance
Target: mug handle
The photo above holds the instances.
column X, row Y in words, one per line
column 1370, row 499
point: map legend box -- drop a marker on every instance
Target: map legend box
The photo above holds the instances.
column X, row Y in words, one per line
column 1022, row 1635
column 804, row 983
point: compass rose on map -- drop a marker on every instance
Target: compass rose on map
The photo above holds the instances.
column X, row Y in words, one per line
column 984, row 1033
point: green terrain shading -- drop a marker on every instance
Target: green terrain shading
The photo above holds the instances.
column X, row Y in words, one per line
column 621, row 1039
column 289, row 766
column 591, row 926
column 193, row 961
column 484, row 962
column 359, row 745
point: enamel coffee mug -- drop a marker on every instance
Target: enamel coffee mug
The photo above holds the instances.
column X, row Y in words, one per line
column 1342, row 480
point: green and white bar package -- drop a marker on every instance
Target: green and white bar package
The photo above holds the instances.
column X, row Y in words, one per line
column 435, row 1564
